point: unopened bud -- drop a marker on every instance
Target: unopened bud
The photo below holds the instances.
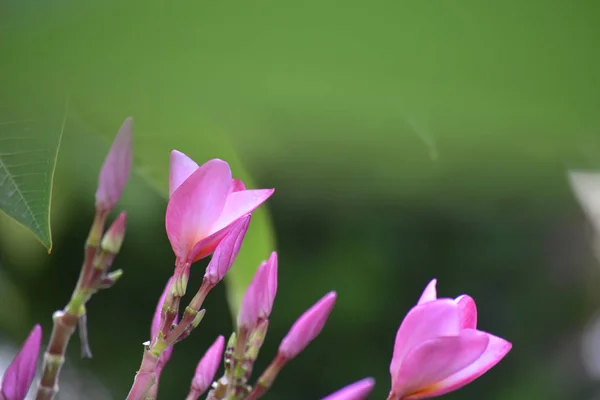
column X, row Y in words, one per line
column 260, row 295
column 356, row 391
column 207, row 367
column 227, row 251
column 307, row 327
column 115, row 169
column 113, row 238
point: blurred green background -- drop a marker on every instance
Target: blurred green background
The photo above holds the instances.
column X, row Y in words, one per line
column 406, row 140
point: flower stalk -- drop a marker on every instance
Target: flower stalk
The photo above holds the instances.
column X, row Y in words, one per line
column 65, row 321
column 145, row 377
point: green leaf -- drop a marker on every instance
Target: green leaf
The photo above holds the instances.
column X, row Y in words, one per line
column 155, row 135
column 30, row 136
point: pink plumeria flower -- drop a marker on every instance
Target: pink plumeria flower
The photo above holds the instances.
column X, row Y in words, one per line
column 227, row 251
column 154, row 329
column 307, row 327
column 207, row 369
column 260, row 295
column 356, row 391
column 205, row 202
column 115, row 169
column 438, row 348
column 20, row 373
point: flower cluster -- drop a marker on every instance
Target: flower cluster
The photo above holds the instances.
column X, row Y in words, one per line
column 437, row 349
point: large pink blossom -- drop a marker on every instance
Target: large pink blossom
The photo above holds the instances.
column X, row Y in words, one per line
column 438, row 348
column 205, row 202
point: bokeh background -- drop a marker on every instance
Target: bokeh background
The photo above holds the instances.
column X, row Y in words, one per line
column 406, row 140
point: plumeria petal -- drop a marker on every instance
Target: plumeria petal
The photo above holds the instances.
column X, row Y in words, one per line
column 468, row 311
column 496, row 349
column 237, row 185
column 208, row 245
column 180, row 169
column 195, row 206
column 356, row 391
column 436, row 359
column 21, row 371
column 115, row 169
column 307, row 327
column 425, row 321
column 227, row 251
column 429, row 294
column 207, row 367
column 239, row 204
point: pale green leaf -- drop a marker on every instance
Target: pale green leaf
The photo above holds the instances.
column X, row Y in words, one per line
column 30, row 136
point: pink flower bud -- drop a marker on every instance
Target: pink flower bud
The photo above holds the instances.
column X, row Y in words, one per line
column 260, row 295
column 307, row 327
column 20, row 373
column 113, row 238
column 205, row 203
column 207, row 367
column 227, row 251
column 356, row 391
column 438, row 348
column 116, row 168
column 155, row 327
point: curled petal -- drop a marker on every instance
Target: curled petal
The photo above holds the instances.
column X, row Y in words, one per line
column 436, row 359
column 468, row 311
column 227, row 251
column 430, row 293
column 21, row 371
column 423, row 322
column 207, row 367
column 180, row 169
column 356, row 391
column 237, row 185
column 239, row 204
column 116, row 167
column 307, row 327
column 496, row 349
column 196, row 205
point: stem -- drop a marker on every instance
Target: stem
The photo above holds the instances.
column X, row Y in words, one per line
column 64, row 326
column 145, row 378
column 268, row 377
column 189, row 314
column 65, row 322
column 153, row 391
